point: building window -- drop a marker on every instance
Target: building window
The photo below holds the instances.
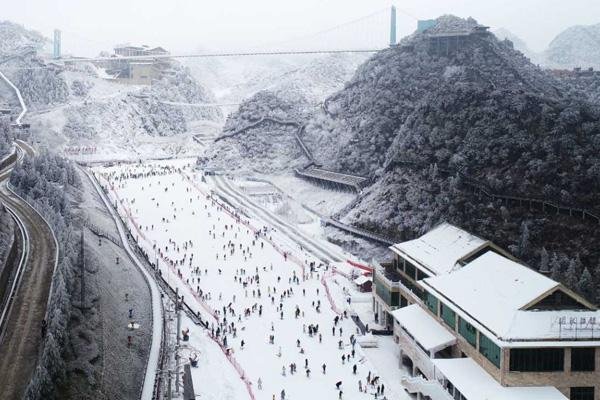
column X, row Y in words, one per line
column 421, row 275
column 390, row 298
column 489, row 350
column 537, row 360
column 467, row 331
column 403, row 301
column 432, row 302
column 410, row 285
column 583, row 359
column 582, row 393
column 448, row 316
column 410, row 269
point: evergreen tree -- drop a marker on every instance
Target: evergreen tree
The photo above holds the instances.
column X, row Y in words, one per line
column 544, row 261
column 555, row 269
column 571, row 277
column 585, row 286
column 524, row 242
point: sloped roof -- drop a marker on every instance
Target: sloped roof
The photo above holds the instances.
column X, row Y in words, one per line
column 440, row 249
column 475, row 383
column 423, row 327
column 493, row 289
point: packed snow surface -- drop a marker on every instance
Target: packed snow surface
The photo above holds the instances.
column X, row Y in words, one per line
column 262, row 293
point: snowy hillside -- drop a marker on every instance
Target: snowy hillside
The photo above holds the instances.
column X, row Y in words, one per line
column 15, row 38
column 250, row 143
column 294, row 95
column 126, row 121
column 577, row 46
column 40, row 84
column 236, row 79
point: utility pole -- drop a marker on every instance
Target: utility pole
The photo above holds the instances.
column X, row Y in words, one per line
column 178, row 311
column 169, row 393
column 82, row 258
column 393, row 26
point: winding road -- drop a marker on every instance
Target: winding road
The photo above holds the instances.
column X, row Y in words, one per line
column 20, row 346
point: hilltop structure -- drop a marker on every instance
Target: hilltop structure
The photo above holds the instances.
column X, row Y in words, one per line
column 140, row 71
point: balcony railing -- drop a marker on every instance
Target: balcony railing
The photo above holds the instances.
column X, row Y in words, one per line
column 388, row 274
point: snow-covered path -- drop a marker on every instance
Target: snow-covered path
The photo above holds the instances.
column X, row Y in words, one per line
column 266, row 311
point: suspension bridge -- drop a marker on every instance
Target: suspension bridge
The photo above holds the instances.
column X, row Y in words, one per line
column 367, row 34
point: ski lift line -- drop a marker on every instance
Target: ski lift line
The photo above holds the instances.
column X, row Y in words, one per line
column 324, row 31
column 214, row 55
column 174, row 103
column 406, row 13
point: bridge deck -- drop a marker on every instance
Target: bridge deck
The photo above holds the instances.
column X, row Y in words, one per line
column 336, row 177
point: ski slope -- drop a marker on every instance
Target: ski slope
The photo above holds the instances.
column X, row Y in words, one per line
column 249, row 280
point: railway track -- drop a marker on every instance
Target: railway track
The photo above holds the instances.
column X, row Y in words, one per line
column 22, row 315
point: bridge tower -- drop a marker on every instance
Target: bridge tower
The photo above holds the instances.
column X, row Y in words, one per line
column 56, row 43
column 393, row 26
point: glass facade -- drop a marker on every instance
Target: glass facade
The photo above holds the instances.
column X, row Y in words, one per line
column 432, row 302
column 583, row 359
column 421, row 275
column 489, row 350
column 467, row 331
column 410, row 285
column 448, row 316
column 410, row 269
column 582, row 393
column 390, row 298
column 537, row 360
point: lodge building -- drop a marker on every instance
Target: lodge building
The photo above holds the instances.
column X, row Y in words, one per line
column 473, row 323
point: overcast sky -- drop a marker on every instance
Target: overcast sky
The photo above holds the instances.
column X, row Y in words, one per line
column 190, row 25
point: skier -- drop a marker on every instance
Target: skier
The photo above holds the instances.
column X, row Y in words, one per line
column 324, row 368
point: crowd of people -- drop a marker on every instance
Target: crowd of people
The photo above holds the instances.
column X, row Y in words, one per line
column 272, row 291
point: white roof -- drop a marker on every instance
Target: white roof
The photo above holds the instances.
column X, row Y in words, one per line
column 492, row 289
column 423, row 327
column 362, row 279
column 440, row 249
column 475, row 383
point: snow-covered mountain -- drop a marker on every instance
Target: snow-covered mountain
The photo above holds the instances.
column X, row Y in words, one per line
column 40, row 84
column 235, row 79
column 15, row 38
column 577, row 46
column 481, row 109
column 125, row 121
column 292, row 96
